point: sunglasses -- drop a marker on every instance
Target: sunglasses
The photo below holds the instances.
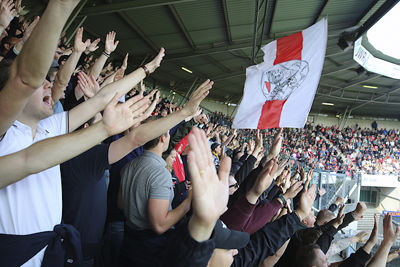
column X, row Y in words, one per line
column 234, row 185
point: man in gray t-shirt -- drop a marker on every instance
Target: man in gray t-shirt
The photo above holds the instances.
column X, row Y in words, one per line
column 143, row 178
column 147, row 194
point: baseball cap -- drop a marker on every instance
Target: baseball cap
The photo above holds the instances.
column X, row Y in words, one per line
column 229, row 239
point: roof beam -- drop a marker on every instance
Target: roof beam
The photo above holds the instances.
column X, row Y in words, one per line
column 319, row 12
column 270, row 16
column 222, row 48
column 226, row 19
column 373, row 100
column 344, row 66
column 366, row 10
column 181, row 25
column 139, row 32
column 253, row 51
column 375, row 17
column 364, row 101
column 217, row 63
column 128, row 5
column 350, row 84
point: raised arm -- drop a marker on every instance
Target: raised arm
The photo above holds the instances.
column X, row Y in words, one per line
column 29, row 69
column 210, row 191
column 7, row 12
column 389, row 237
column 45, row 154
column 110, row 46
column 83, row 112
column 27, row 33
column 152, row 129
column 344, row 243
column 64, row 74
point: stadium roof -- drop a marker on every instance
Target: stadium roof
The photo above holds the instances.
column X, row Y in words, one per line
column 218, row 39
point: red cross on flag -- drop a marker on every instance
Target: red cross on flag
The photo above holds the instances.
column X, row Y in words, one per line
column 279, row 91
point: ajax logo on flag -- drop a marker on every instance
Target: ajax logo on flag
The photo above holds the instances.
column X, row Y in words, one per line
column 281, row 80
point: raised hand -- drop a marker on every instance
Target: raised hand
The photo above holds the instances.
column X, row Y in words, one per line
column 293, row 190
column 339, row 200
column 153, row 105
column 88, row 85
column 373, row 238
column 210, row 191
column 306, row 202
column 251, row 145
column 321, row 191
column 339, row 218
column 263, row 181
column 125, row 62
column 198, row 95
column 111, row 44
column 30, row 28
column 282, row 177
column 282, row 165
column 286, row 181
column 7, row 12
column 80, row 46
column 276, row 145
column 259, row 142
column 93, row 46
column 360, row 237
column 393, row 255
column 18, row 7
column 155, row 63
column 171, row 159
column 309, row 178
column 119, row 117
column 142, row 88
column 358, row 212
column 389, row 235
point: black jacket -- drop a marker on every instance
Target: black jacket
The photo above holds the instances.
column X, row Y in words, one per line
column 324, row 241
column 184, row 251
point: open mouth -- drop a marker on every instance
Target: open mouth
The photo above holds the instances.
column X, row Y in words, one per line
column 47, row 100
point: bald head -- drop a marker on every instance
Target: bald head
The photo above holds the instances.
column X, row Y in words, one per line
column 324, row 216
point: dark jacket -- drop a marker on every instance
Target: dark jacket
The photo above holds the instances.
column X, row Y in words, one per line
column 324, row 241
column 358, row 259
column 183, row 250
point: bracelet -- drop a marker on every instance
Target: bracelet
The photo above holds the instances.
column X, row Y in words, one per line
column 106, row 54
column 146, row 70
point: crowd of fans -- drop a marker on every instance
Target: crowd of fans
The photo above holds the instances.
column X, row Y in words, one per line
column 349, row 151
column 181, row 190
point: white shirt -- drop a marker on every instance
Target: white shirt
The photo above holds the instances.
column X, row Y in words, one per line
column 33, row 204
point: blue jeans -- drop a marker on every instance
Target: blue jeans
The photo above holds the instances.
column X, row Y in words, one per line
column 112, row 243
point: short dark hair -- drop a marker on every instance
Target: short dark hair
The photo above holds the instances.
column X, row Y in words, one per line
column 5, row 69
column 306, row 256
column 153, row 143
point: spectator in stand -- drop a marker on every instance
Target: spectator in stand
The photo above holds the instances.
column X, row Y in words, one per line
column 216, row 152
column 28, row 109
column 147, row 194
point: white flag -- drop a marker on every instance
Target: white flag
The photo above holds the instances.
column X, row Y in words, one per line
column 279, row 92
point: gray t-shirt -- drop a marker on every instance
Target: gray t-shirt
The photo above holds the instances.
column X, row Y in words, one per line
column 143, row 178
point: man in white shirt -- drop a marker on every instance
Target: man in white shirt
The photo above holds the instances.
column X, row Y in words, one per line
column 33, row 204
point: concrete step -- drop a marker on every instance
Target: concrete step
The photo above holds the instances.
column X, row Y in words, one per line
column 367, row 222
